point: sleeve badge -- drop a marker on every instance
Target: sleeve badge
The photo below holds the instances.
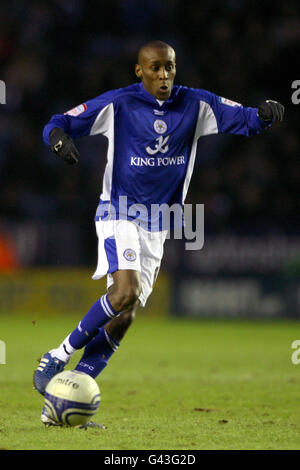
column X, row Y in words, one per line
column 228, row 102
column 76, row 111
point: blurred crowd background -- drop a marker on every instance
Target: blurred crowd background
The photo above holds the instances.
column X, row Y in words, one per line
column 57, row 54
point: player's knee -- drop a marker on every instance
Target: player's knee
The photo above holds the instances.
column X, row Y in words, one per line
column 130, row 297
column 126, row 298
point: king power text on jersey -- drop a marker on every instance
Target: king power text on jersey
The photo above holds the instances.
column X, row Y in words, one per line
column 157, row 161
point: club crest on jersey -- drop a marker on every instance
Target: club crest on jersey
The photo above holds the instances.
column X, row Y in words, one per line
column 78, row 110
column 160, row 126
column 129, row 254
column 228, row 102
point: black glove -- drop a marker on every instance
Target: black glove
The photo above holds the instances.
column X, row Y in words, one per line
column 270, row 110
column 63, row 146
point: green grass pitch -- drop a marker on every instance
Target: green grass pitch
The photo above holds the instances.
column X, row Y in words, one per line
column 173, row 384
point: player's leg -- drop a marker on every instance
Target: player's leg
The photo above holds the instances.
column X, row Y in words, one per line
column 122, row 296
column 118, row 256
column 105, row 343
column 118, row 327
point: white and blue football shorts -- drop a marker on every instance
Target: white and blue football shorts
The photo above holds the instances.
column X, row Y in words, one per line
column 125, row 245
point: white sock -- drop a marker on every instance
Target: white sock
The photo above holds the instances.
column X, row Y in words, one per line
column 64, row 352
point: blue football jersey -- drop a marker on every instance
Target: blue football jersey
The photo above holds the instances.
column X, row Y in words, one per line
column 151, row 144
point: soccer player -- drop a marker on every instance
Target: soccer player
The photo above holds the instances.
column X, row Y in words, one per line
column 152, row 129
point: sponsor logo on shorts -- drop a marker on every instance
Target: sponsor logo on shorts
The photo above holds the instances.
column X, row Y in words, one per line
column 129, row 254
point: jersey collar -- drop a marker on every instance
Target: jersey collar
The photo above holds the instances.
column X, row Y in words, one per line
column 151, row 98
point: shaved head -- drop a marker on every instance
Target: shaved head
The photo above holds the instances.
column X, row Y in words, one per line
column 156, row 67
column 146, row 48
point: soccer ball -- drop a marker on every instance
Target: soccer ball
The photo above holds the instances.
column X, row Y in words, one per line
column 71, row 398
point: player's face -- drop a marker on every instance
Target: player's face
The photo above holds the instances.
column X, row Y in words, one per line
column 157, row 69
